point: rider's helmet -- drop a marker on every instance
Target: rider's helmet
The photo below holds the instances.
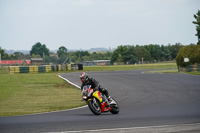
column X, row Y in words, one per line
column 84, row 77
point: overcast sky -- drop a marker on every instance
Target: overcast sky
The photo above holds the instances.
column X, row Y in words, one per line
column 85, row 24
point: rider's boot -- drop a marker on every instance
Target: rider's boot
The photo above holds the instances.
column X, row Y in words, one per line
column 109, row 99
column 108, row 102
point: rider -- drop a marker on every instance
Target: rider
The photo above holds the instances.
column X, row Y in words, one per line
column 86, row 80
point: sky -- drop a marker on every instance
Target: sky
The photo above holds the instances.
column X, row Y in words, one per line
column 85, row 24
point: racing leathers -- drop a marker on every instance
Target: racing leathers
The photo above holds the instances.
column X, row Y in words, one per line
column 96, row 86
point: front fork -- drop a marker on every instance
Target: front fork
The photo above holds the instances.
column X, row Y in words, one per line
column 93, row 99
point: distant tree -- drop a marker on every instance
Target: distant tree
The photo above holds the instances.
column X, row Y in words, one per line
column 39, row 49
column 148, row 53
column 62, row 59
column 156, row 52
column 131, row 57
column 142, row 53
column 62, row 51
column 42, row 50
column 175, row 49
column 17, row 55
column 97, row 56
column 165, row 53
column 35, row 56
column 81, row 53
column 3, row 54
column 120, row 55
column 54, row 59
column 130, row 54
column 27, row 56
column 80, row 56
column 197, row 22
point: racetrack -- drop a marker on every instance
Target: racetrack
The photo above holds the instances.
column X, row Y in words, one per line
column 144, row 99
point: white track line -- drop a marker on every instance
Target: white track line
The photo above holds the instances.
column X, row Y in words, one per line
column 69, row 82
column 148, row 129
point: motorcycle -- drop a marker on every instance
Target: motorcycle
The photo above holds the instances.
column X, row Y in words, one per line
column 97, row 102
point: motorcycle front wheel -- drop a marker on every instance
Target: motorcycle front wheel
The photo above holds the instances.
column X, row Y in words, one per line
column 95, row 106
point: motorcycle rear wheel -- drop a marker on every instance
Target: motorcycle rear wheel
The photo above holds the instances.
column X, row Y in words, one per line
column 95, row 107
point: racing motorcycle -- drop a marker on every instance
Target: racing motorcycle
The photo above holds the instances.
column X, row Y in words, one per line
column 97, row 102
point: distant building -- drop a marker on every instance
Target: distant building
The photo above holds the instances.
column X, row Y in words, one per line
column 96, row 63
column 37, row 61
column 15, row 62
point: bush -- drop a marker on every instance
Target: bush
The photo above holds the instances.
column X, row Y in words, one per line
column 192, row 52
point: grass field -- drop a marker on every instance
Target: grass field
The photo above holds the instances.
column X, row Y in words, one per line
column 163, row 71
column 131, row 67
column 193, row 73
column 34, row 93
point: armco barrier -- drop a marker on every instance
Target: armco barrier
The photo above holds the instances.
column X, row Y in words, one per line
column 48, row 68
column 24, row 69
column 190, row 68
column 33, row 69
column 69, row 67
column 52, row 68
column 41, row 69
column 64, row 67
column 198, row 67
column 195, row 67
column 59, row 67
column 14, row 69
column 80, row 66
column 44, row 68
column 74, row 67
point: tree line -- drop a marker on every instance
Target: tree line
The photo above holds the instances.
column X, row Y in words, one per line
column 130, row 54
column 40, row 50
column 124, row 54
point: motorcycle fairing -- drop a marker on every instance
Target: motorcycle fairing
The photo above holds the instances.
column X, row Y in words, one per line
column 97, row 95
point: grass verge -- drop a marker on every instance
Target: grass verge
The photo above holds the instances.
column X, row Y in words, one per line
column 164, row 71
column 22, row 94
column 131, row 67
column 193, row 73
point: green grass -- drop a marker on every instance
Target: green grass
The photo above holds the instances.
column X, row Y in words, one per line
column 35, row 93
column 131, row 67
column 193, row 73
column 164, row 71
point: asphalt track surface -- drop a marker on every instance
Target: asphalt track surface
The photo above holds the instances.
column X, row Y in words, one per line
column 146, row 100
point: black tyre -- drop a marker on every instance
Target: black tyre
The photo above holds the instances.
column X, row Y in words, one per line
column 115, row 107
column 95, row 107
